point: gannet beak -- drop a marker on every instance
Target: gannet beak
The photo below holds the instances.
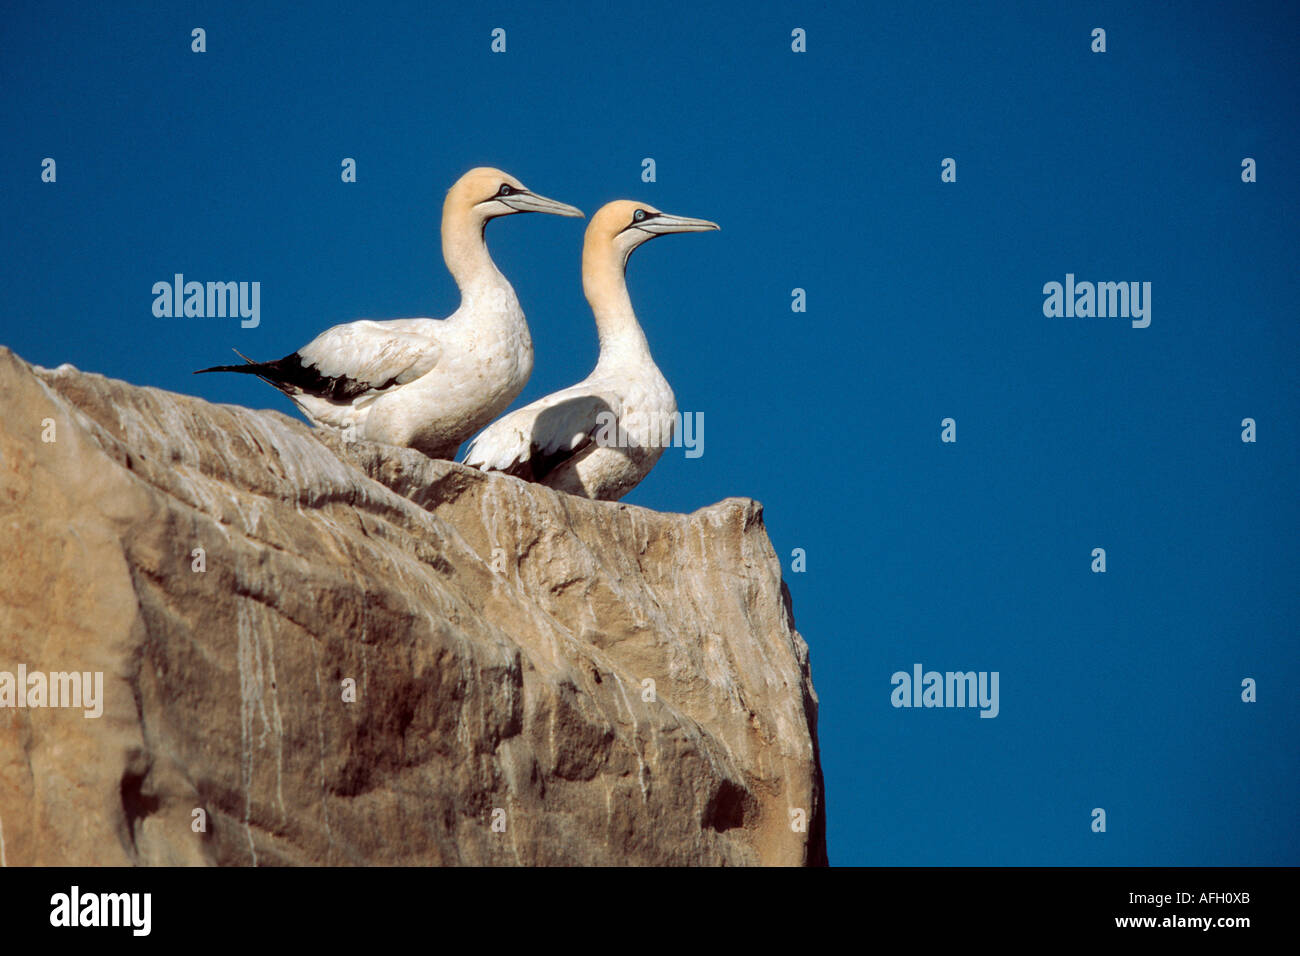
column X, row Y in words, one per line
column 662, row 224
column 523, row 201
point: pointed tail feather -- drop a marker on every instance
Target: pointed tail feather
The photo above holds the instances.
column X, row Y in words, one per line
column 251, row 367
column 227, row 368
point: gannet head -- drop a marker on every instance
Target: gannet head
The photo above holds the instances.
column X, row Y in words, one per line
column 486, row 193
column 625, row 224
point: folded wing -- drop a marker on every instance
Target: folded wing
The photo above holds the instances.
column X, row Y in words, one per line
column 535, row 440
column 360, row 359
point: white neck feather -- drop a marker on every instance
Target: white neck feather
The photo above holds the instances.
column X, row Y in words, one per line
column 465, row 251
column 605, row 286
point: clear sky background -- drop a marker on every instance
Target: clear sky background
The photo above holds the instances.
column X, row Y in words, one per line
column 924, row 301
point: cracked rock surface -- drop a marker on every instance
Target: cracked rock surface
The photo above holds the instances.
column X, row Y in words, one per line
column 384, row 659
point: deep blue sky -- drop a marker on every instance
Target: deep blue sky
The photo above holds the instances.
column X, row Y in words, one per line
column 1119, row 690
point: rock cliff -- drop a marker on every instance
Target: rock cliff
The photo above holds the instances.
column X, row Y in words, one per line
column 325, row 653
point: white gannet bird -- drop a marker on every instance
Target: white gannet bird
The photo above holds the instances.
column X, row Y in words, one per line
column 598, row 438
column 426, row 384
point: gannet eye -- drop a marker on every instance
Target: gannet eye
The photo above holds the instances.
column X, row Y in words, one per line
column 638, row 216
column 504, row 190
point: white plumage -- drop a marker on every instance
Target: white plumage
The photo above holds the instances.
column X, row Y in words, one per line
column 426, row 383
column 600, row 437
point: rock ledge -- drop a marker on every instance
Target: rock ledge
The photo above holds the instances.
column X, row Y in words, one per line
column 605, row 683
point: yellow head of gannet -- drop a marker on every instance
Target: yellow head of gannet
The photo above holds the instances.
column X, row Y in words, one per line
column 615, row 230
column 482, row 194
column 620, row 226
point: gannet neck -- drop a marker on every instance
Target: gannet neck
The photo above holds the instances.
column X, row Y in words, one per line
column 605, row 285
column 464, row 247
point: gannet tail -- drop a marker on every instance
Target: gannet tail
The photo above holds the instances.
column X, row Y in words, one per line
column 251, row 367
column 269, row 372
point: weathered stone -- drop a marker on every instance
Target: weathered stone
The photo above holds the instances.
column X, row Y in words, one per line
column 501, row 636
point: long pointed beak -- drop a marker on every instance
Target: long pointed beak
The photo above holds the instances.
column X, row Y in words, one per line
column 531, row 202
column 664, row 223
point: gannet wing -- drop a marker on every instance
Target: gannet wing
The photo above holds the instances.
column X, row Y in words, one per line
column 349, row 361
column 535, row 440
column 352, row 363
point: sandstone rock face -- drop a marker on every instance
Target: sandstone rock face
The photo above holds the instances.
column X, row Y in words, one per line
column 538, row 679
